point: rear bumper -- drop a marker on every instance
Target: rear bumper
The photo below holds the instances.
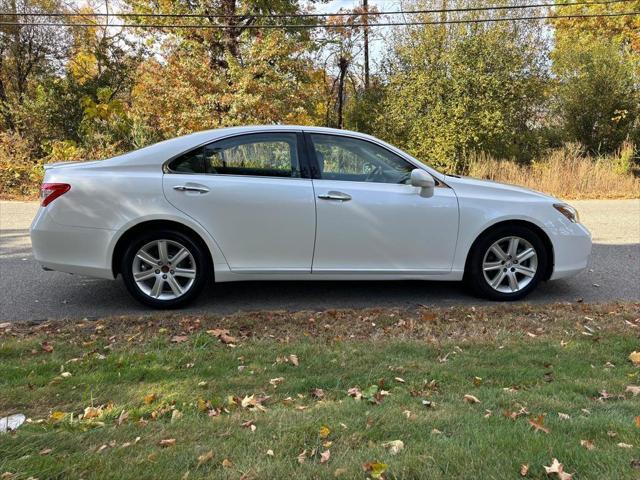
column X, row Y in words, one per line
column 572, row 247
column 83, row 251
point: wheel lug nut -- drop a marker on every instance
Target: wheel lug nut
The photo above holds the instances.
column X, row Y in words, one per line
column 159, row 263
column 172, row 272
column 157, row 271
column 504, row 269
column 513, row 269
column 164, row 276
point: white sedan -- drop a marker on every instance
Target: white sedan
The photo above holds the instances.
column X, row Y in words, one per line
column 295, row 203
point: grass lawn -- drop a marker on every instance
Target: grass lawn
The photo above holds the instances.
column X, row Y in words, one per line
column 267, row 395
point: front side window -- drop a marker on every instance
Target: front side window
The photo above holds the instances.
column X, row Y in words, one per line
column 352, row 159
column 260, row 154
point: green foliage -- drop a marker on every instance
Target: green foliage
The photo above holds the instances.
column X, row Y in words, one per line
column 455, row 90
column 598, row 99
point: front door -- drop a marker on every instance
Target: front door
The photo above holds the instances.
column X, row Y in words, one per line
column 370, row 220
column 248, row 191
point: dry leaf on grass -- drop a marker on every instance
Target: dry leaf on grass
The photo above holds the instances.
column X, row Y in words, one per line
column 470, row 399
column 149, row 399
column 46, row 451
column 176, row 415
column 317, row 393
column 226, row 463
column 634, row 357
column 563, row 416
column 293, row 359
column 633, row 389
column 179, row 338
column 394, row 446
column 167, row 442
column 325, row 456
column 557, row 468
column 47, row 347
column 624, row 445
column 375, row 469
column 92, row 412
column 537, row 424
column 270, row 453
column 324, row 431
column 588, row 444
column 524, row 469
column 205, row 457
column 276, row 381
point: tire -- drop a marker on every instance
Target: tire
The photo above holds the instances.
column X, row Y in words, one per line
column 492, row 256
column 165, row 284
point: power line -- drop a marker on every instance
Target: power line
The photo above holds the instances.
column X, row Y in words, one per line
column 311, row 15
column 324, row 25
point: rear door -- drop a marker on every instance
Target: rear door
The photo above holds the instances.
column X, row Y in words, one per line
column 250, row 192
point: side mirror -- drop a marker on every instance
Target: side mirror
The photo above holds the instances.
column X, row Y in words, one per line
column 422, row 179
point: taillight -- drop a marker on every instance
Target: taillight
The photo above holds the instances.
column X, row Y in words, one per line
column 50, row 191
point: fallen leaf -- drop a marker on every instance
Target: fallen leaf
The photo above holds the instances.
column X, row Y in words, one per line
column 167, row 442
column 176, row 415
column 294, row 360
column 339, row 472
column 394, row 446
column 65, row 374
column 399, row 380
column 635, row 358
column 612, row 434
column 524, row 469
column 634, row 389
column 355, row 393
column 45, row 451
column 92, row 412
column 276, row 381
column 324, row 431
column 625, row 445
column 302, row 457
column 635, row 463
column 375, row 469
column 56, row 416
column 563, row 416
column 317, row 393
column 588, row 444
column 179, row 338
column 470, row 399
column 638, row 421
column 123, row 417
column 226, row 463
column 270, row 453
column 149, row 399
column 537, row 424
column 325, row 456
column 250, row 425
column 227, row 339
column 47, row 347
column 205, row 457
column 477, row 381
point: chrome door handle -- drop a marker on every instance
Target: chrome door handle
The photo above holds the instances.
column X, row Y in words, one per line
column 189, row 188
column 333, row 195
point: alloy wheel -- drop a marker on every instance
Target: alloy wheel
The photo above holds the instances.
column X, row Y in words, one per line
column 510, row 264
column 164, row 269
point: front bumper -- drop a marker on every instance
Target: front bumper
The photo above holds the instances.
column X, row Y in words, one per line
column 571, row 247
column 84, row 251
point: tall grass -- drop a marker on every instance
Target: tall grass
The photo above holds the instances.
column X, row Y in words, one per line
column 566, row 173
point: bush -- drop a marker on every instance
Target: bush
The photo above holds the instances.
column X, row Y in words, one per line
column 20, row 173
column 566, row 173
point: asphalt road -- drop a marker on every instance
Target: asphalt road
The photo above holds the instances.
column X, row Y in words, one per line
column 29, row 293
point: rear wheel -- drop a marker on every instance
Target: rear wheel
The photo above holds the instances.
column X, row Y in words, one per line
column 164, row 268
column 507, row 263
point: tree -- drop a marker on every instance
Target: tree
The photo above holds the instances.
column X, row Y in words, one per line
column 596, row 63
column 457, row 88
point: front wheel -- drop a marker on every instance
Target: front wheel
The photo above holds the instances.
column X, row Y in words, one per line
column 164, row 268
column 507, row 263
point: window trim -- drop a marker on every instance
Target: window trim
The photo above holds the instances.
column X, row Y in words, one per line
column 315, row 169
column 300, row 147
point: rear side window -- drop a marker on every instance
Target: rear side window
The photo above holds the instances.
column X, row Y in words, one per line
column 260, row 154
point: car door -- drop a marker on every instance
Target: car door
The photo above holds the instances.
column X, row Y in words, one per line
column 370, row 219
column 250, row 192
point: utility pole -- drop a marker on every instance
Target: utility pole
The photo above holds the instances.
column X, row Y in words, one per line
column 365, row 9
